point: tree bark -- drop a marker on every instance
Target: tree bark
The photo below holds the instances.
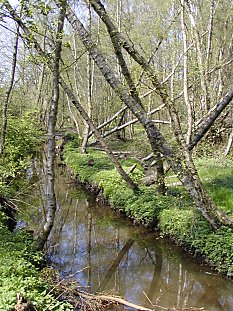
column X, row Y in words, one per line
column 206, row 100
column 50, row 194
column 208, row 122
column 185, row 77
column 90, row 82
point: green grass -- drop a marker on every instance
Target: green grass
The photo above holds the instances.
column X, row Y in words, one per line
column 217, row 176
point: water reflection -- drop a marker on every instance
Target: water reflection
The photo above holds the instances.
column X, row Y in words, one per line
column 108, row 254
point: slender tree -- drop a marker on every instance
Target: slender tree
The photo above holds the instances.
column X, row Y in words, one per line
column 52, row 119
column 9, row 89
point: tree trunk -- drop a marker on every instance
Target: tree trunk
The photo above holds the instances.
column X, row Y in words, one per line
column 9, row 89
column 90, row 82
column 51, row 196
column 229, row 143
column 185, row 78
column 206, row 100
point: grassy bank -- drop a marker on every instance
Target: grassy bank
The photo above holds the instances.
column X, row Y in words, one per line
column 172, row 213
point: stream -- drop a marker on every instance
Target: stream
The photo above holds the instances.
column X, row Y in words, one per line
column 106, row 253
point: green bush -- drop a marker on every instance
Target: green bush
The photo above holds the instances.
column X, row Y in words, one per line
column 23, row 140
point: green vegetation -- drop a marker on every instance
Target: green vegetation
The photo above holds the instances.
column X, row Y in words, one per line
column 173, row 213
column 143, row 206
column 20, row 261
column 217, row 175
column 193, row 233
column 19, row 273
column 23, row 141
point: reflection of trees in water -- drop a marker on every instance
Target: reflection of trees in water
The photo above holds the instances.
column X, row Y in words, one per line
column 120, row 261
column 111, row 271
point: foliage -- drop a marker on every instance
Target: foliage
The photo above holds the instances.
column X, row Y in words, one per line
column 191, row 231
column 18, row 273
column 23, row 141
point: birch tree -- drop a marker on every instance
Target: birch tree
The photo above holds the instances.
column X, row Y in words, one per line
column 52, row 118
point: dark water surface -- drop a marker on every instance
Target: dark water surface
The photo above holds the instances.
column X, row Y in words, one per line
column 106, row 253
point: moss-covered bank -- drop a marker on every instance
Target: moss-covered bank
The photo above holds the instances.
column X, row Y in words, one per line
column 173, row 213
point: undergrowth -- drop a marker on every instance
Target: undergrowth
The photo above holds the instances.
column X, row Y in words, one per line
column 192, row 232
column 19, row 259
column 143, row 206
column 19, row 273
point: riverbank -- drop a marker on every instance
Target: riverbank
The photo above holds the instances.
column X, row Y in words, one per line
column 172, row 214
column 20, row 273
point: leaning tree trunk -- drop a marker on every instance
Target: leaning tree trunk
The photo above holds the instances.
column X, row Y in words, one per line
column 51, row 197
column 192, row 184
column 186, row 172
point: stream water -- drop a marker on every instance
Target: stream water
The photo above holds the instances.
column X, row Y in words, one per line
column 107, row 253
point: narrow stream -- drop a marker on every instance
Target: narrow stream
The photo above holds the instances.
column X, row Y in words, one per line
column 107, row 253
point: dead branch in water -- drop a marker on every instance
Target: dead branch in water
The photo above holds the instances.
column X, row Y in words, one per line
column 71, row 291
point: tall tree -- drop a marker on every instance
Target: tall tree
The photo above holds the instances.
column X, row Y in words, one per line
column 52, row 118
